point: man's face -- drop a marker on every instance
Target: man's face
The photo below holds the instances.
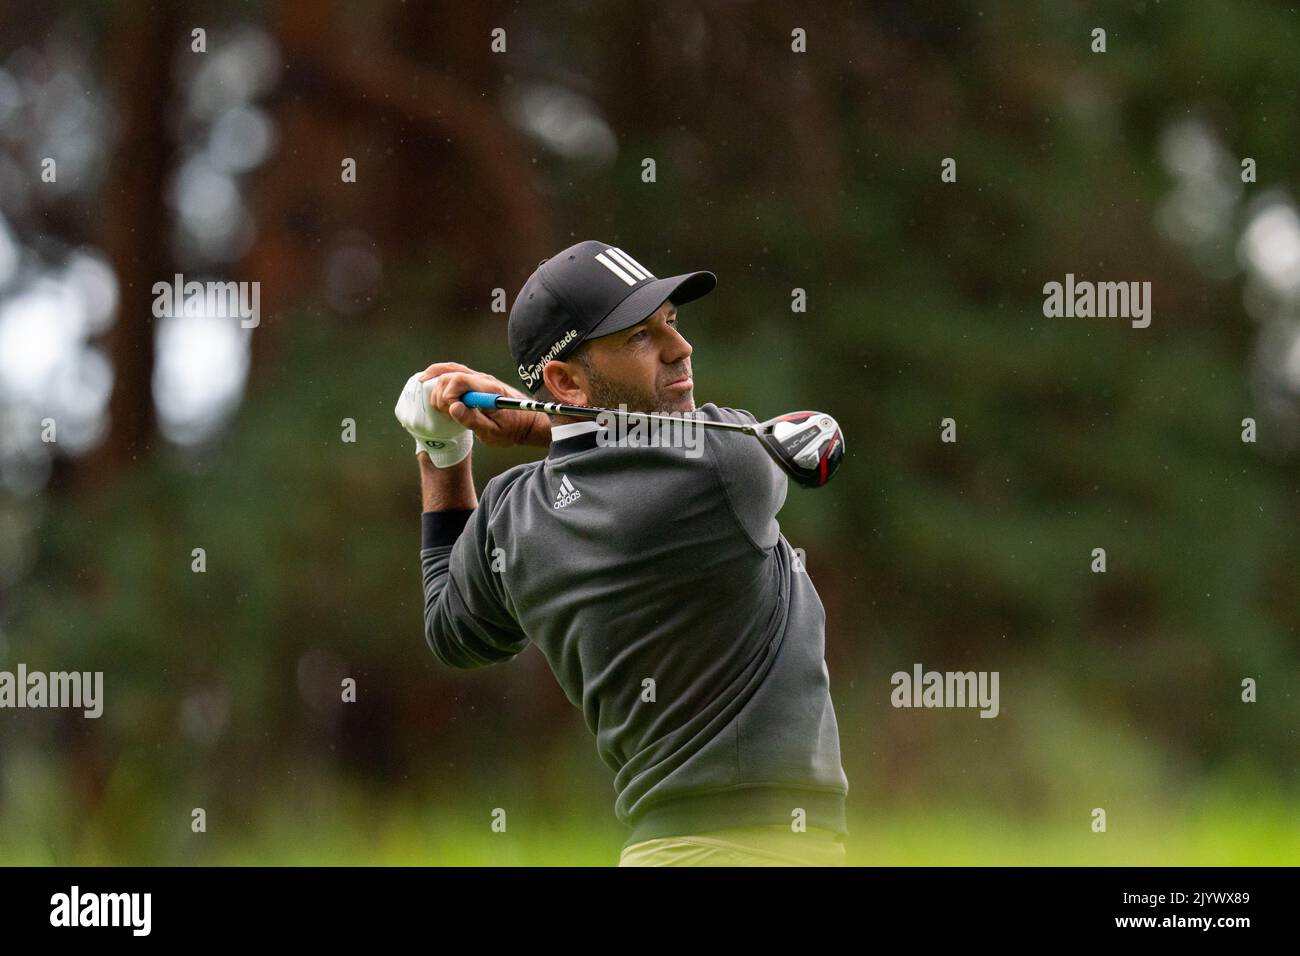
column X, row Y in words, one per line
column 646, row 367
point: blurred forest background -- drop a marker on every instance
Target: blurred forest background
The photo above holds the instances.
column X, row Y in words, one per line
column 775, row 169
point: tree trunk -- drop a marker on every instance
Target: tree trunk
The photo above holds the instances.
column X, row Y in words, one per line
column 135, row 227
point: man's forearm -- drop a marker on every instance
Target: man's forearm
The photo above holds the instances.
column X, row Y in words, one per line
column 447, row 489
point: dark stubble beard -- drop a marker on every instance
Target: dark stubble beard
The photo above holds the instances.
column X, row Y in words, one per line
column 606, row 393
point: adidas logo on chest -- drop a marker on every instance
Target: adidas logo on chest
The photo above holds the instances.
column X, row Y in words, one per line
column 567, row 494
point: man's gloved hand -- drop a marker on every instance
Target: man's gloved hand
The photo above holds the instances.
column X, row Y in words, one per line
column 446, row 441
column 500, row 428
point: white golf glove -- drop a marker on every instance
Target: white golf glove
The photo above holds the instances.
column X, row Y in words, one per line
column 446, row 440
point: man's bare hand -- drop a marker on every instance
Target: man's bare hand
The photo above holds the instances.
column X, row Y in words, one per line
column 499, row 429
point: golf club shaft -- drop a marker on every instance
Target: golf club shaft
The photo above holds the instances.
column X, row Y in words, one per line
column 488, row 400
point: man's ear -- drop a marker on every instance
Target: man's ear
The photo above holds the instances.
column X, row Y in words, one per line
column 566, row 381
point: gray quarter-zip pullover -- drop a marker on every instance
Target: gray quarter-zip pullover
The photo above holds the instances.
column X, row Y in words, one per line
column 673, row 613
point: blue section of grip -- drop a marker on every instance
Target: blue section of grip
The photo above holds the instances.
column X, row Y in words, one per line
column 479, row 400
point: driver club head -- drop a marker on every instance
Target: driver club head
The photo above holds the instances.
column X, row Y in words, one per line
column 808, row 446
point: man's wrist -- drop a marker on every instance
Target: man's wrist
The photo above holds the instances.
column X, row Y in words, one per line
column 447, row 489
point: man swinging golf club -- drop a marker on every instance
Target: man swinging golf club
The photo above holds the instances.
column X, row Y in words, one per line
column 656, row 582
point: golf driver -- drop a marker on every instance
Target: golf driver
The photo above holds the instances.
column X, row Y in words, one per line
column 808, row 446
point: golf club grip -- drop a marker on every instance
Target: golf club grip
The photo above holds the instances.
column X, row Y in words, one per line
column 491, row 400
column 480, row 399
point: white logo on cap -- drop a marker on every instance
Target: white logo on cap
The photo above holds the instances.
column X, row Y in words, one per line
column 624, row 266
column 534, row 371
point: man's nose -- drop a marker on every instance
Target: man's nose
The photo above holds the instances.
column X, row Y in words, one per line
column 677, row 347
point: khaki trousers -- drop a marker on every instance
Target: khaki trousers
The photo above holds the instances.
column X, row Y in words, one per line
column 774, row 845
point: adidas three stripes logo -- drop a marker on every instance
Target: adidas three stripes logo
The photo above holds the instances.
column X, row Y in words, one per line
column 624, row 266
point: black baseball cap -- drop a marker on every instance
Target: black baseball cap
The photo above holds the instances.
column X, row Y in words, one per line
column 586, row 291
